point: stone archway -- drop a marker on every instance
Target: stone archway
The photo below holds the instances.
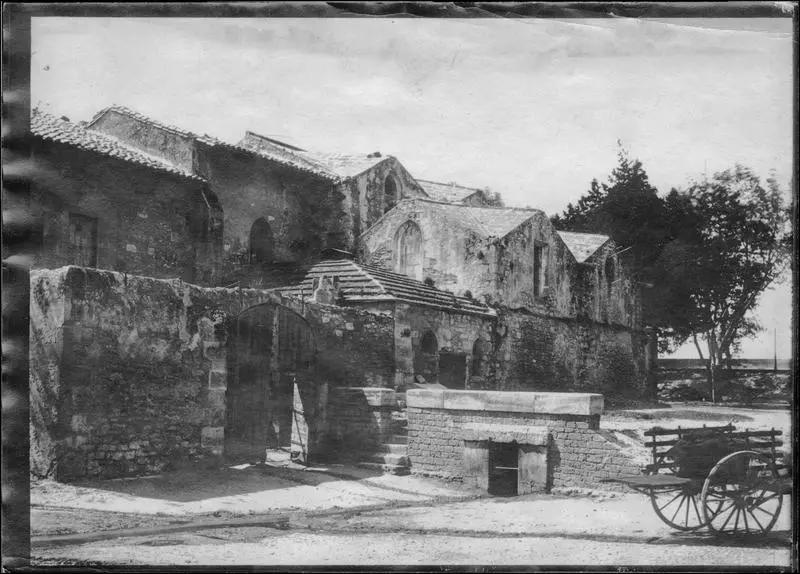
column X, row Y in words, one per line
column 272, row 388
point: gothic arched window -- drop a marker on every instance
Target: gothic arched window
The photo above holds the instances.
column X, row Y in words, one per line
column 408, row 250
column 390, row 195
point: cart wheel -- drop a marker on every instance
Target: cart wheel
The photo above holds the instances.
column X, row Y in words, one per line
column 679, row 506
column 740, row 495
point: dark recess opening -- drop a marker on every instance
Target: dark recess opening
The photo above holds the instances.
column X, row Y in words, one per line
column 503, row 468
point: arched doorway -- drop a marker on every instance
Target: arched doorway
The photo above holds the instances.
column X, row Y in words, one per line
column 262, row 242
column 390, row 194
column 408, row 250
column 274, row 354
column 426, row 358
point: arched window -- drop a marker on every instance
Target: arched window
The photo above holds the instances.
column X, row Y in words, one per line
column 408, row 250
column 261, row 242
column 389, row 193
column 429, row 345
column 479, row 352
column 609, row 271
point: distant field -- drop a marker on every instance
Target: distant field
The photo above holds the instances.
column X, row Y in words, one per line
column 744, row 364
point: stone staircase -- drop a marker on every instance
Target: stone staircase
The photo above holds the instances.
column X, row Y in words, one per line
column 393, row 454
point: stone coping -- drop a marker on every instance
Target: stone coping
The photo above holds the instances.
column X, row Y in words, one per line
column 532, row 435
column 583, row 404
column 373, row 396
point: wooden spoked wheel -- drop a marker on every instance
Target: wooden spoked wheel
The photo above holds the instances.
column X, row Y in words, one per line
column 741, row 494
column 679, row 506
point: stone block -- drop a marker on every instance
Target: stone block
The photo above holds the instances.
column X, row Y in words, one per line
column 217, row 379
column 213, row 439
column 424, row 399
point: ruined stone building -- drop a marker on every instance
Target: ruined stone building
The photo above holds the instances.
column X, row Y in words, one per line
column 194, row 297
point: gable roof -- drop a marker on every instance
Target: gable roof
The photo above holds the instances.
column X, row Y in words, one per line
column 50, row 128
column 360, row 283
column 447, row 192
column 486, row 221
column 583, row 245
column 289, row 160
column 336, row 165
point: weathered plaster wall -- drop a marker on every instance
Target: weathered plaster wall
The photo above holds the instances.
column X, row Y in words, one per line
column 148, row 222
column 360, row 419
column 176, row 148
column 579, row 453
column 305, row 213
column 454, row 256
column 455, row 333
column 515, row 287
column 366, row 194
column 128, row 374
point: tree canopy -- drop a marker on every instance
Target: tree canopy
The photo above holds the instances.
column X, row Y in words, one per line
column 704, row 254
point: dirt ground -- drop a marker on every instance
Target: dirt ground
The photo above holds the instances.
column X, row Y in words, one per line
column 267, row 515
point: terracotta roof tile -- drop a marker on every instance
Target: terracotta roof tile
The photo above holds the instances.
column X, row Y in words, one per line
column 54, row 129
column 365, row 283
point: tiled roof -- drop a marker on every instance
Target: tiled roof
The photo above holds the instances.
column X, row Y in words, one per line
column 582, row 245
column 335, row 165
column 487, row 221
column 448, row 192
column 368, row 284
column 54, row 129
column 289, row 160
column 286, row 155
column 345, row 165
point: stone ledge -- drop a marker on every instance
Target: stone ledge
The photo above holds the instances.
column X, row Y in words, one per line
column 583, row 404
column 536, row 435
column 372, row 396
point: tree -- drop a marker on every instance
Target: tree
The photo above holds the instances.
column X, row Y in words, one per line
column 492, row 198
column 731, row 240
column 628, row 209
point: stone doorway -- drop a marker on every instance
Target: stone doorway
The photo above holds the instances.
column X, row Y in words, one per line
column 273, row 353
column 453, row 370
column 503, row 468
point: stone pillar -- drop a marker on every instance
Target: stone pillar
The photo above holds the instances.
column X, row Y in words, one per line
column 532, row 473
column 476, row 463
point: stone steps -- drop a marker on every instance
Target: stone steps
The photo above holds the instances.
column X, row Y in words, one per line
column 394, row 448
column 398, row 459
column 399, row 470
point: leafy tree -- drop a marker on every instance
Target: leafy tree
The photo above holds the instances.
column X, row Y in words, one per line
column 492, row 198
column 731, row 241
column 628, row 209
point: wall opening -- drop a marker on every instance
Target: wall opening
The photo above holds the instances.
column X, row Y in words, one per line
column 479, row 354
column 83, row 240
column 390, row 193
column 408, row 250
column 262, row 242
column 503, row 468
column 609, row 270
column 426, row 359
column 274, row 360
column 453, row 370
column 539, row 269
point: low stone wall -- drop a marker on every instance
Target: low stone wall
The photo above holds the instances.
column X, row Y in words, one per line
column 360, row 419
column 444, row 427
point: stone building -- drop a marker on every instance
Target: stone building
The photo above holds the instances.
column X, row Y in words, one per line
column 568, row 309
column 282, row 205
column 262, row 295
column 107, row 205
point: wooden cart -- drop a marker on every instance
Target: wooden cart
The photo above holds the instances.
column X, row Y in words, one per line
column 732, row 482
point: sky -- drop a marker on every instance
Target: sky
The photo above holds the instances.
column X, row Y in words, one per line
column 532, row 108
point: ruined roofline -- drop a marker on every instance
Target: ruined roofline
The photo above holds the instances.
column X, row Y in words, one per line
column 49, row 128
column 272, row 140
column 212, row 141
column 458, row 185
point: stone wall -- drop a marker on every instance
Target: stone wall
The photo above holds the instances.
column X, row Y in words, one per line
column 355, row 347
column 359, row 420
column 442, row 423
column 455, row 333
column 128, row 374
column 541, row 353
column 145, row 221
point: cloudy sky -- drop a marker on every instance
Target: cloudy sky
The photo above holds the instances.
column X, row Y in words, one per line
column 531, row 108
